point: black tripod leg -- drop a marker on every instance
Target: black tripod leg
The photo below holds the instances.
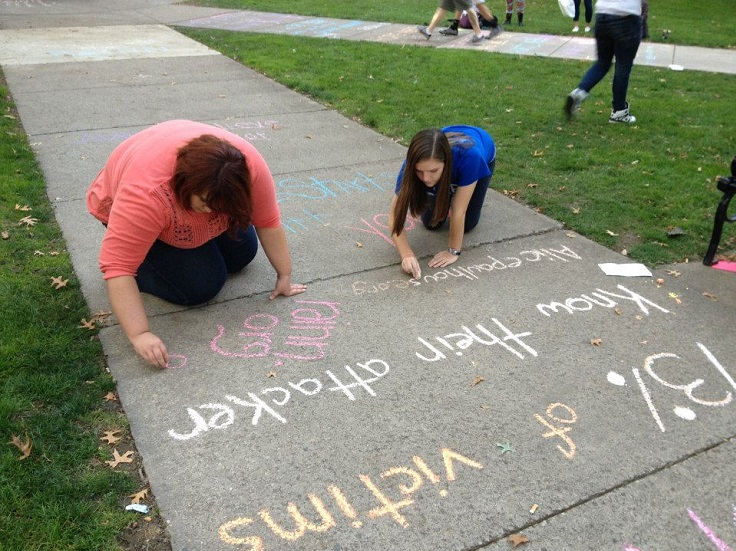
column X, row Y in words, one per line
column 721, row 214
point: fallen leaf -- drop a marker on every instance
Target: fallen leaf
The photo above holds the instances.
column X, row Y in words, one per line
column 674, row 273
column 110, row 397
column 710, row 295
column 518, row 539
column 538, row 153
column 676, row 297
column 271, row 374
column 58, row 282
column 596, row 342
column 110, row 436
column 5, row 235
column 571, row 235
column 609, row 232
column 532, row 185
column 359, row 244
column 39, row 253
column 127, row 457
column 24, row 447
column 478, row 379
column 139, row 496
column 28, row 221
column 617, row 310
column 675, row 232
column 25, row 208
column 576, row 210
column 87, row 324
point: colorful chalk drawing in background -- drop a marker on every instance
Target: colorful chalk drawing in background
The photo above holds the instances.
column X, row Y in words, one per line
column 409, row 479
column 683, row 412
column 306, row 339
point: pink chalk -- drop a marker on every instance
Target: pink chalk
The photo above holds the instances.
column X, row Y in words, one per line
column 725, row 265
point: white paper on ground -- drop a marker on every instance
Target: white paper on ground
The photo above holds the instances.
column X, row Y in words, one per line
column 626, row 270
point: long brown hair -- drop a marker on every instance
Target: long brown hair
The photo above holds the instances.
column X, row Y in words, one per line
column 216, row 170
column 412, row 197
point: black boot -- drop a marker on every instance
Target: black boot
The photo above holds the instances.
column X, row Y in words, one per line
column 508, row 18
column 452, row 29
column 521, row 19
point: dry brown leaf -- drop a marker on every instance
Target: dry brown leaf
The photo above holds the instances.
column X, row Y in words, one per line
column 87, row 324
column 710, row 295
column 596, row 342
column 110, row 436
column 5, row 235
column 139, row 496
column 478, row 379
column 127, row 457
column 617, row 310
column 58, row 282
column 271, row 374
column 28, row 221
column 110, row 397
column 538, row 153
column 24, row 447
column 576, row 210
column 609, row 232
column 674, row 273
column 359, row 244
column 518, row 539
column 25, row 208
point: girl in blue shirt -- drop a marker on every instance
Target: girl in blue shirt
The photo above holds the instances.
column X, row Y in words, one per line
column 446, row 174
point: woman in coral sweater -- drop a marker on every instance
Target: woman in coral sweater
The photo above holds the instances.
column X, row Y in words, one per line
column 185, row 204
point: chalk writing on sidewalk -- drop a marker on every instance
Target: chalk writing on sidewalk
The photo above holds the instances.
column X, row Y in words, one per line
column 302, row 222
column 703, row 527
column 306, row 339
column 221, row 415
column 560, row 432
column 409, row 480
column 314, row 189
column 467, row 337
column 470, row 272
column 585, row 303
column 656, row 364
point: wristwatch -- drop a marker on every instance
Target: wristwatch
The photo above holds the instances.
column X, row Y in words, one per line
column 455, row 252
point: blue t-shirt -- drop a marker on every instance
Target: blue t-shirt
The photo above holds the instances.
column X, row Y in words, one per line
column 470, row 157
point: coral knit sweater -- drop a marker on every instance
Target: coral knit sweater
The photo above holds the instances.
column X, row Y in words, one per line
column 133, row 196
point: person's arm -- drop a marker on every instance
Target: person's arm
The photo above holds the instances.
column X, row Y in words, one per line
column 273, row 241
column 127, row 304
column 458, row 209
column 409, row 262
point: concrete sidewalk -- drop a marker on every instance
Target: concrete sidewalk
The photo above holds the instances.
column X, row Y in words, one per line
column 519, row 390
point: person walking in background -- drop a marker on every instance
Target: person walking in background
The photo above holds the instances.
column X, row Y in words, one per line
column 617, row 34
column 184, row 204
column 453, row 6
column 520, row 7
column 485, row 17
column 644, row 19
column 446, row 174
column 588, row 15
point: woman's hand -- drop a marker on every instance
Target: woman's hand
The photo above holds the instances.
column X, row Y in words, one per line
column 151, row 348
column 411, row 266
column 443, row 259
column 285, row 287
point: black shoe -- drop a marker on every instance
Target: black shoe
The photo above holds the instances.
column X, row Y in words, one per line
column 449, row 31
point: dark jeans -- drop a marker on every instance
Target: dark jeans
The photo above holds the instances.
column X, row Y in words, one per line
column 588, row 10
column 472, row 215
column 617, row 36
column 194, row 276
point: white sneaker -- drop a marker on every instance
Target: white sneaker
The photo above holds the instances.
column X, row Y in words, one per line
column 622, row 116
column 587, row 29
column 576, row 29
column 573, row 101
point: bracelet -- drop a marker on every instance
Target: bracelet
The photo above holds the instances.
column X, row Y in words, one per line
column 455, row 252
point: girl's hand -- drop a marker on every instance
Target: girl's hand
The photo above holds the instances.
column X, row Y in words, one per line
column 284, row 287
column 411, row 266
column 151, row 348
column 442, row 259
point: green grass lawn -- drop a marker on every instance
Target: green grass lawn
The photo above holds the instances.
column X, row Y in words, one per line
column 623, row 186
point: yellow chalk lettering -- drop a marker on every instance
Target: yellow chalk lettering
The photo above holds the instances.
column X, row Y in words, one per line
column 426, row 471
column 342, row 502
column 406, row 490
column 302, row 524
column 449, row 456
column 256, row 543
column 389, row 508
column 558, row 431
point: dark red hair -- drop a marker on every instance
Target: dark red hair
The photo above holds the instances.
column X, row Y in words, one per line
column 215, row 170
